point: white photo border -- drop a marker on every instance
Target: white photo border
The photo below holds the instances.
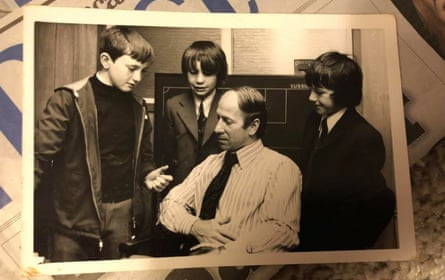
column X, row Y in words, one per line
column 32, row 264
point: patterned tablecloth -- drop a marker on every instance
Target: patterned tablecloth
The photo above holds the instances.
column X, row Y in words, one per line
column 423, row 83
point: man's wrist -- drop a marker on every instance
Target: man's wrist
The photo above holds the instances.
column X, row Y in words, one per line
column 191, row 229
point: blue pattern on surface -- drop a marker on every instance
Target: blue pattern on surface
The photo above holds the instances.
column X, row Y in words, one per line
column 10, row 116
column 12, row 53
column 22, row 2
column 219, row 6
column 4, row 198
column 143, row 4
column 253, row 6
column 10, row 121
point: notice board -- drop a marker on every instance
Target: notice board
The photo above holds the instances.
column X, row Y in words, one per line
column 286, row 100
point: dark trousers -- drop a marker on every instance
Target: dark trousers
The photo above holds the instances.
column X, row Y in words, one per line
column 162, row 243
column 66, row 247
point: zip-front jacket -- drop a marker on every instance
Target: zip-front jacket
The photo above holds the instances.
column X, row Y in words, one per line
column 68, row 168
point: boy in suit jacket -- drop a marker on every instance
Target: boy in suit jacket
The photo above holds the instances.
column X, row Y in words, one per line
column 191, row 116
column 345, row 201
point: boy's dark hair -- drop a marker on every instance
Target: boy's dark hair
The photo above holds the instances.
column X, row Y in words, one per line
column 120, row 40
column 337, row 72
column 212, row 58
column 253, row 105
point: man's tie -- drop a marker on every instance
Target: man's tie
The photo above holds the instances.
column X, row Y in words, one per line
column 323, row 129
column 216, row 187
column 201, row 125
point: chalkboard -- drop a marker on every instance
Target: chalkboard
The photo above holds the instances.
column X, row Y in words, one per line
column 286, row 100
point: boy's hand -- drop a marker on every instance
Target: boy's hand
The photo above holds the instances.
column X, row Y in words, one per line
column 157, row 180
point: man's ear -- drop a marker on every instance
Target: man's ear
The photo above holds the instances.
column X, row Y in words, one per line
column 105, row 60
column 253, row 126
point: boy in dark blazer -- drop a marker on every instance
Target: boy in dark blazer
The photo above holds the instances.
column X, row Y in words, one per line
column 191, row 116
column 345, row 201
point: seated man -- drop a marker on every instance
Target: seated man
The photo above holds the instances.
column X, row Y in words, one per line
column 245, row 199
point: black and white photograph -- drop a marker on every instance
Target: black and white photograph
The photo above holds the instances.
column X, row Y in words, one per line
column 162, row 140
